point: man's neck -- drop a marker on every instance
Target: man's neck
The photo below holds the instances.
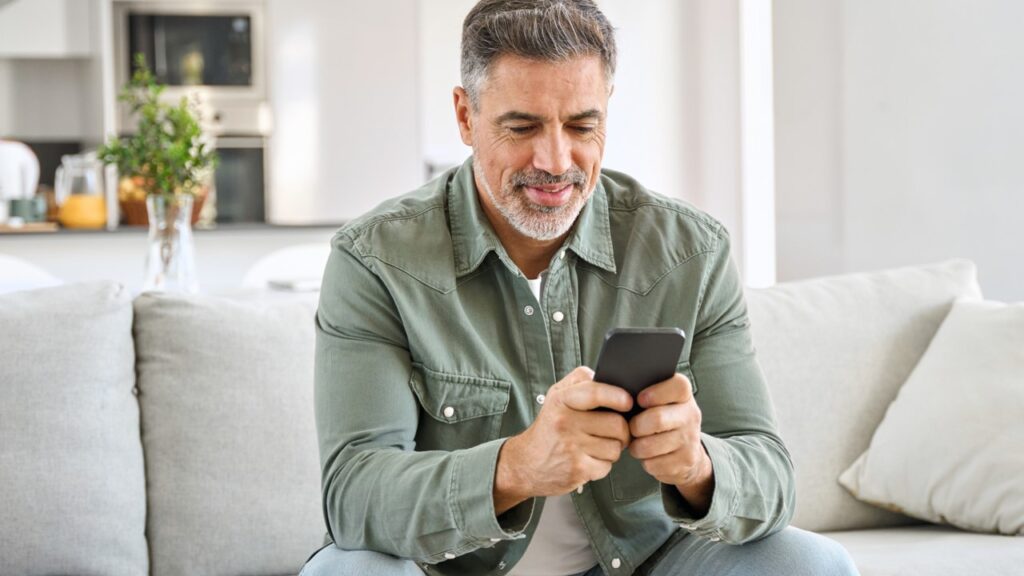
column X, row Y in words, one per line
column 532, row 256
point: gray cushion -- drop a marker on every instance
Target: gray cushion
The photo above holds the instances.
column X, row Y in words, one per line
column 932, row 551
column 835, row 352
column 72, row 489
column 226, row 390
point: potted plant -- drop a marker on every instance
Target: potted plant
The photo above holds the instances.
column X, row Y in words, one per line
column 164, row 167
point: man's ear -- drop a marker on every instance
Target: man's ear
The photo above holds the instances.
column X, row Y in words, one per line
column 463, row 114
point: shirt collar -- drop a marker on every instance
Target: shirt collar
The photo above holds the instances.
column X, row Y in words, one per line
column 473, row 237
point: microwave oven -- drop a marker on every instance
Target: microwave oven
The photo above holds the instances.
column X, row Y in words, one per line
column 210, row 52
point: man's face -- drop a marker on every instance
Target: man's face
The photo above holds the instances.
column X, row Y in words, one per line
column 538, row 138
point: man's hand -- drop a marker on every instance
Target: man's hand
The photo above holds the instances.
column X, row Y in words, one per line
column 666, row 439
column 567, row 445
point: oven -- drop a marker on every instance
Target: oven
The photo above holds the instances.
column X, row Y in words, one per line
column 213, row 54
column 240, row 180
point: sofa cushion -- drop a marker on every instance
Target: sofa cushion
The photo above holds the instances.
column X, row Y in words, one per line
column 932, row 551
column 72, row 485
column 226, row 390
column 951, row 446
column 835, row 352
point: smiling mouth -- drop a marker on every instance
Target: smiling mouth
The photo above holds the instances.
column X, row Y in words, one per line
column 550, row 195
column 550, row 188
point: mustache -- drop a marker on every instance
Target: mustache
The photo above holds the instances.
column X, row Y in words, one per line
column 533, row 177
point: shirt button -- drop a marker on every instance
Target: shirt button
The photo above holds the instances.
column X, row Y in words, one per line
column 449, row 555
column 579, row 489
column 501, row 565
column 561, row 255
column 714, row 539
column 495, row 539
column 616, row 563
column 449, row 411
column 558, row 316
column 540, row 399
column 528, row 310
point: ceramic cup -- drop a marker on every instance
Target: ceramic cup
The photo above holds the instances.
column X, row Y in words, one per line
column 28, row 209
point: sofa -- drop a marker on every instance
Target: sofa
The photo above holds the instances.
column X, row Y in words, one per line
column 174, row 435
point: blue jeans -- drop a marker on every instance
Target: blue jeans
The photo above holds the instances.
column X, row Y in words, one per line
column 790, row 552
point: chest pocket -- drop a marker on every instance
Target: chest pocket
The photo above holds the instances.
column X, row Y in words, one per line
column 629, row 480
column 457, row 411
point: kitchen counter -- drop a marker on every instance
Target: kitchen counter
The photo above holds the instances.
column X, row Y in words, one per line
column 130, row 230
column 223, row 255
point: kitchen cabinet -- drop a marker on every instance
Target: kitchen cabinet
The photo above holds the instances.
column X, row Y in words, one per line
column 46, row 28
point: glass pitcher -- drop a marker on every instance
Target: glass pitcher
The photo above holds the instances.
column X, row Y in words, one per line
column 79, row 191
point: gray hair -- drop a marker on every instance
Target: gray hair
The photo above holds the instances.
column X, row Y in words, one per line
column 548, row 30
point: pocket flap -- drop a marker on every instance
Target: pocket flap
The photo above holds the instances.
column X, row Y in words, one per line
column 455, row 397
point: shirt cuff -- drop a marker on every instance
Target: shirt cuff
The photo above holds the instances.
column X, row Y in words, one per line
column 472, row 497
column 723, row 499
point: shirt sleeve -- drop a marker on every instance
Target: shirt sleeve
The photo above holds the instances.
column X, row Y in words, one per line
column 378, row 493
column 754, row 492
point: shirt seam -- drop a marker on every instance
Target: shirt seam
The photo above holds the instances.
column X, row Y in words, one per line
column 356, row 232
column 440, row 289
column 657, row 281
column 709, row 225
column 705, row 281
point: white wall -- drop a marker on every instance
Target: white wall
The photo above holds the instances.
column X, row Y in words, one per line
column 345, row 94
column 808, row 47
column 647, row 114
column 908, row 150
column 691, row 115
column 440, row 29
column 6, row 96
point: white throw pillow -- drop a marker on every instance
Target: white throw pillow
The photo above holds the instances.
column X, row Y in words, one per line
column 835, row 352
column 951, row 446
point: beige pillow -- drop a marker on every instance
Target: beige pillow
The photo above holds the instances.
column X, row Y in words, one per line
column 951, row 446
column 72, row 481
column 835, row 352
column 232, row 467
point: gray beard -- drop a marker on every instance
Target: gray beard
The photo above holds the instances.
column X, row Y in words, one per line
column 531, row 220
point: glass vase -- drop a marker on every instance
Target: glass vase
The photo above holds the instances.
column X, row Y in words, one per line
column 170, row 260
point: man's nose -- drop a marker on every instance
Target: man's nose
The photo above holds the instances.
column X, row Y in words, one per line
column 553, row 154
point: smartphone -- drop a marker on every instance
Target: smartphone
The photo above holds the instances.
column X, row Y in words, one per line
column 635, row 358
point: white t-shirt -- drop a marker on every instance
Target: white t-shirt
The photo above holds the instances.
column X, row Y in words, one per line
column 560, row 546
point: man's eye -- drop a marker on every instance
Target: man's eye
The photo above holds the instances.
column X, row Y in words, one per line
column 520, row 129
column 583, row 129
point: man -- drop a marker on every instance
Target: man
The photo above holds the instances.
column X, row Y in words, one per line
column 455, row 413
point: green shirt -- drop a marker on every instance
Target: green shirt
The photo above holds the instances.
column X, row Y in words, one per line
column 430, row 353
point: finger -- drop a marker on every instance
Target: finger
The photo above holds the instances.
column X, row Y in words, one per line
column 661, row 419
column 661, row 466
column 589, row 395
column 656, row 445
column 675, row 390
column 607, row 425
column 597, row 469
column 604, row 449
column 579, row 375
column 671, row 465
